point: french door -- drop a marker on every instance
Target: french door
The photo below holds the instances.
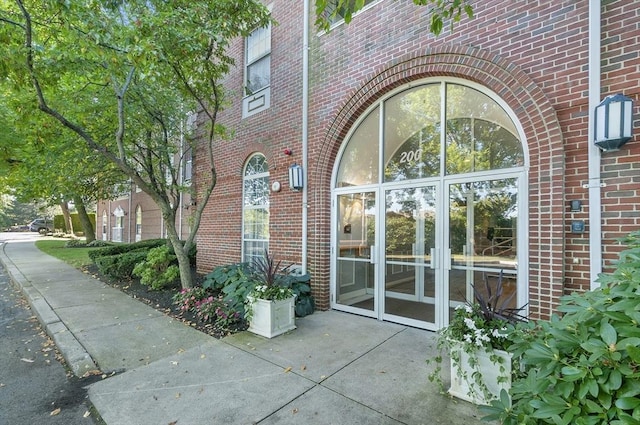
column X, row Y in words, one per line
column 411, row 253
column 385, row 254
column 427, row 203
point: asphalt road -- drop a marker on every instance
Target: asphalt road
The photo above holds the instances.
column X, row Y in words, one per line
column 35, row 387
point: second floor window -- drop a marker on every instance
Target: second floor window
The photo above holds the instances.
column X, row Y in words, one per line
column 258, row 60
column 257, row 75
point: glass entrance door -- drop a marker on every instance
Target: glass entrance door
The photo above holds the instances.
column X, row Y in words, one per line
column 425, row 204
column 355, row 263
column 483, row 218
column 410, row 244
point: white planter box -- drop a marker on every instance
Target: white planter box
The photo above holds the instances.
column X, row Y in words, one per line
column 495, row 376
column 272, row 318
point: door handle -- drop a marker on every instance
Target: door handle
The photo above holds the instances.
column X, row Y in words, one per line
column 372, row 254
column 434, row 258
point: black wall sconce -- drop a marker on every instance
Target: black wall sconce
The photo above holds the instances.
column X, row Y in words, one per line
column 613, row 122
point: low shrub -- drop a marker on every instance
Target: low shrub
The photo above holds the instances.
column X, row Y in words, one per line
column 207, row 307
column 158, row 270
column 300, row 284
column 120, row 266
column 583, row 367
column 75, row 243
column 234, row 282
column 122, row 248
column 96, row 243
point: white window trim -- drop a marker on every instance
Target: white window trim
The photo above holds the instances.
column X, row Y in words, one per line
column 251, row 207
column 261, row 99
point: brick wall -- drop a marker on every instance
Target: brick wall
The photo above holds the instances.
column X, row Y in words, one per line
column 533, row 54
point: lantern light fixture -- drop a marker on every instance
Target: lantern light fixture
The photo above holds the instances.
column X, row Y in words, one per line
column 296, row 177
column 613, row 122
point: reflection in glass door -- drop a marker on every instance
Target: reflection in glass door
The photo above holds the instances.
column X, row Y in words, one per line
column 425, row 204
column 355, row 268
column 483, row 217
column 410, row 234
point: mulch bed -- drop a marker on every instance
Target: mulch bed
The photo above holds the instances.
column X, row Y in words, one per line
column 162, row 300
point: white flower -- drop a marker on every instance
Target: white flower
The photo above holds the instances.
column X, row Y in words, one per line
column 470, row 323
column 496, row 333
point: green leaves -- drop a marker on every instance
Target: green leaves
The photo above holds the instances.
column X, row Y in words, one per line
column 584, row 367
column 440, row 11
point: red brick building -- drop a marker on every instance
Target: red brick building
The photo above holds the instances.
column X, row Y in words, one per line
column 134, row 216
column 399, row 215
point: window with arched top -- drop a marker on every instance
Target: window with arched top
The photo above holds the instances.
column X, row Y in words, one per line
column 138, row 223
column 255, row 208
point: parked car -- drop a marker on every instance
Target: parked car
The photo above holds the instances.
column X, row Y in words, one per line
column 18, row 228
column 41, row 225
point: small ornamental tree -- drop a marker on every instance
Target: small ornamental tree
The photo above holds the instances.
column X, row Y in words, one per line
column 124, row 77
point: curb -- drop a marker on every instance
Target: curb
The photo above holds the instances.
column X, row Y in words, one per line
column 75, row 355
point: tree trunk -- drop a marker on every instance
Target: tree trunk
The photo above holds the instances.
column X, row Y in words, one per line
column 67, row 217
column 186, row 275
column 85, row 221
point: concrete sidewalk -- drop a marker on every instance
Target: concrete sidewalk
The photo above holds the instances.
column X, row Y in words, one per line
column 335, row 368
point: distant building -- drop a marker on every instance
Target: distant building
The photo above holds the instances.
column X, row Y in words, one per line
column 134, row 216
column 399, row 214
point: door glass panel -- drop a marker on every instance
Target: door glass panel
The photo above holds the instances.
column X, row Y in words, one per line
column 483, row 218
column 410, row 237
column 355, row 274
column 412, row 134
column 359, row 162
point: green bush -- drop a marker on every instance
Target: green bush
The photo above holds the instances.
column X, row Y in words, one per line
column 121, row 248
column 234, row 282
column 305, row 303
column 583, row 367
column 98, row 243
column 75, row 243
column 158, row 270
column 120, row 266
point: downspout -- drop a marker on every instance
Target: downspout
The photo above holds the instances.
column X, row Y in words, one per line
column 129, row 213
column 109, row 229
column 305, row 135
column 595, row 204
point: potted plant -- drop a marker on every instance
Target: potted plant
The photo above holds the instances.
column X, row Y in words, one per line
column 270, row 307
column 476, row 340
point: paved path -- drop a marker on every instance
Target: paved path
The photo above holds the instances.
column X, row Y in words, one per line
column 335, row 368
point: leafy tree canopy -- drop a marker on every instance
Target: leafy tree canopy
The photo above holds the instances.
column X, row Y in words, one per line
column 441, row 11
column 124, row 76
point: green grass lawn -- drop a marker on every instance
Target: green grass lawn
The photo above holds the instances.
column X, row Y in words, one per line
column 76, row 257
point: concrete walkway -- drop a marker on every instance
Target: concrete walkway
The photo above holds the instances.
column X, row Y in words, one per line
column 335, row 368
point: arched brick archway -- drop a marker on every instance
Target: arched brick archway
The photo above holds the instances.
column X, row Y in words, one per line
column 543, row 137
